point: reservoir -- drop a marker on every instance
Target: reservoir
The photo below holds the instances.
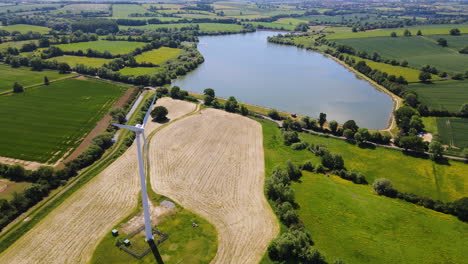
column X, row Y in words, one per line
column 285, row 78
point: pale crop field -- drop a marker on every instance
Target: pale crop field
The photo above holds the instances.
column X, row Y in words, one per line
column 158, row 56
column 26, row 28
column 72, row 231
column 114, row 47
column 212, row 163
column 88, row 61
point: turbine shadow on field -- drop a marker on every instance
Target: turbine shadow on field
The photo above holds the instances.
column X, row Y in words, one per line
column 155, row 251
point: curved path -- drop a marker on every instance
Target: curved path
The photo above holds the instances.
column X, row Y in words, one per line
column 212, row 163
column 72, row 231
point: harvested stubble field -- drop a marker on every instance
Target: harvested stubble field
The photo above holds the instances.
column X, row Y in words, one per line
column 212, row 163
column 71, row 232
column 114, row 47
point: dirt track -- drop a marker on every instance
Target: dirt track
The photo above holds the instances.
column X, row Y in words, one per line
column 212, row 163
column 71, row 232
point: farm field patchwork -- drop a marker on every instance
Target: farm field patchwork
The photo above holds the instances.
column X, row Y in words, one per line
column 25, row 77
column 443, row 182
column 453, row 132
column 114, row 47
column 158, row 56
column 426, row 30
column 43, row 123
column 417, row 51
column 445, row 95
column 26, row 28
column 136, row 71
column 383, row 230
column 74, row 60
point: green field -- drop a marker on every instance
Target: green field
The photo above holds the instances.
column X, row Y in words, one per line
column 290, row 21
column 26, row 77
column 24, row 7
column 411, row 75
column 417, row 51
column 43, row 123
column 16, row 44
column 408, row 174
column 88, row 61
column 350, row 222
column 426, row 30
column 123, row 11
column 114, row 47
column 453, row 132
column 446, row 95
column 26, row 28
column 454, row 42
column 7, row 188
column 158, row 56
column 206, row 27
column 273, row 25
column 136, row 71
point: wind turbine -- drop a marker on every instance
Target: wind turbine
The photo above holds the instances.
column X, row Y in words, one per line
column 140, row 131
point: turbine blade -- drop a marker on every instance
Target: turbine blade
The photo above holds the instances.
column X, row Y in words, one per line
column 132, row 128
column 149, row 111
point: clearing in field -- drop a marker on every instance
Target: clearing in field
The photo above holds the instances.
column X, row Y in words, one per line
column 7, row 188
column 114, row 47
column 43, row 123
column 212, row 163
column 453, row 132
column 383, row 230
column 411, row 75
column 446, row 95
column 418, row 51
column 88, row 61
column 137, row 71
column 426, row 30
column 158, row 56
column 26, row 28
column 25, row 77
column 72, row 231
column 408, row 174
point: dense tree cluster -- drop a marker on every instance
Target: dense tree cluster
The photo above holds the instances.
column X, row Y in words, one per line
column 92, row 25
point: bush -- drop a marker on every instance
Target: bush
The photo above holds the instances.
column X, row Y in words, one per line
column 159, row 113
column 384, row 187
column 18, row 88
column 308, row 166
column 290, row 137
column 287, row 214
column 299, row 145
column 273, row 114
column 461, row 208
column 293, row 171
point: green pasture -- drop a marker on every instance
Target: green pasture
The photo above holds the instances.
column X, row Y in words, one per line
column 158, row 56
column 24, row 7
column 124, row 10
column 290, row 21
column 74, row 60
column 426, row 30
column 26, row 28
column 206, row 27
column 136, row 71
column 454, row 42
column 430, row 124
column 16, row 44
column 411, row 75
column 114, row 47
column 453, row 132
column 185, row 243
column 352, row 223
column 25, row 77
column 408, row 174
column 445, row 95
column 418, row 51
column 43, row 123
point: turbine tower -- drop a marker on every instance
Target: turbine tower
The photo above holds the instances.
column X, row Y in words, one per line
column 140, row 131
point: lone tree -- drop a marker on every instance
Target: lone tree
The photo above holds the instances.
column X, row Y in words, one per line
column 407, row 33
column 18, row 88
column 393, row 35
column 384, row 187
column 46, row 80
column 333, row 126
column 159, row 113
column 442, row 42
column 209, row 96
column 419, row 33
column 63, row 68
column 231, row 105
column 424, row 76
column 436, row 149
column 273, row 114
column 455, row 32
column 322, row 119
column 464, row 110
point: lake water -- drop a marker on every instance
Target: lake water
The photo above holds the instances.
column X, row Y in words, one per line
column 285, row 78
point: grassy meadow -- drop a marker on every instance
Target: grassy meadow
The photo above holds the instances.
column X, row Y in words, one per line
column 408, row 174
column 446, row 95
column 16, row 44
column 350, row 222
column 454, row 42
column 26, row 28
column 136, row 71
column 43, row 123
column 123, row 11
column 418, row 51
column 426, row 30
column 204, row 27
column 273, row 25
column 158, row 56
column 74, row 60
column 411, row 75
column 25, row 77
column 114, row 47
